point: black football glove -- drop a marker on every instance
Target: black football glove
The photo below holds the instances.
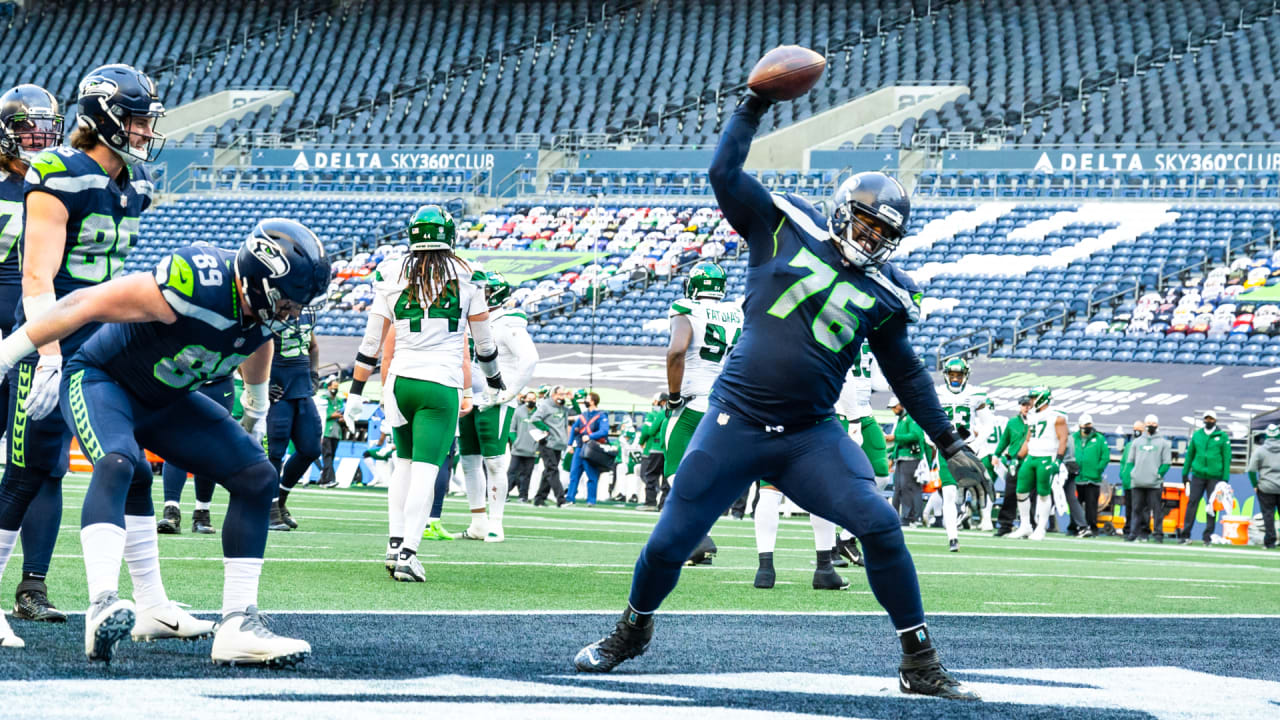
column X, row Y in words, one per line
column 963, row 463
column 675, row 402
column 275, row 392
column 756, row 104
column 495, row 382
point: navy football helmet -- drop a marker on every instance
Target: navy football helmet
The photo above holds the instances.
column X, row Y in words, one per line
column 29, row 122
column 283, row 267
column 870, row 218
column 109, row 98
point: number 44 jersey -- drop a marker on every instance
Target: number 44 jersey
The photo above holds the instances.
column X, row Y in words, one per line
column 717, row 326
column 430, row 341
column 208, row 341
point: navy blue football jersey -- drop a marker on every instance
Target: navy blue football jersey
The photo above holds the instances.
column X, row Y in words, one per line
column 209, row 340
column 806, row 314
column 11, row 195
column 291, row 361
column 102, row 221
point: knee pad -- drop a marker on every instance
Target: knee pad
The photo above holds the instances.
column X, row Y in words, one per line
column 259, row 480
column 1024, row 497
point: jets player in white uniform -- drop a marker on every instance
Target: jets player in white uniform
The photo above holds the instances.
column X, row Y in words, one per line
column 425, row 296
column 1044, row 448
column 985, row 448
column 484, row 431
column 965, row 406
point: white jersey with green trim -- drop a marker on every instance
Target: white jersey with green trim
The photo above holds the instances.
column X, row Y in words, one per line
column 1042, row 438
column 430, row 341
column 967, row 410
column 854, row 402
column 987, row 443
column 517, row 355
column 717, row 326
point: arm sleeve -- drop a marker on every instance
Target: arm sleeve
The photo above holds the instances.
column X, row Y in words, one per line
column 486, row 348
column 371, row 343
column 380, row 307
column 910, row 381
column 746, row 203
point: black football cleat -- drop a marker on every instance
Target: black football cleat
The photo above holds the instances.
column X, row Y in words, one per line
column 287, row 517
column 276, row 522
column 828, row 579
column 32, row 603
column 202, row 523
column 922, row 673
column 953, row 546
column 625, row 642
column 849, row 549
column 838, row 560
column 765, row 575
column 170, row 522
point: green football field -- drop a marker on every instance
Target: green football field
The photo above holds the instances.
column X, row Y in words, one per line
column 575, row 558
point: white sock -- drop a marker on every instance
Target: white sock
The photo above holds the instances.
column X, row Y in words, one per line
column 397, row 493
column 172, row 503
column 473, row 469
column 1044, row 506
column 103, row 545
column 932, row 507
column 767, row 520
column 206, row 505
column 882, row 482
column 142, row 553
column 949, row 519
column 845, row 535
column 496, row 468
column 824, row 532
column 239, row 583
column 1024, row 511
column 8, row 539
column 422, row 490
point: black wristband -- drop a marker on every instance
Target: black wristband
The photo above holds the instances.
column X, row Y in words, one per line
column 1058, row 458
column 949, row 443
column 755, row 104
column 365, row 360
column 357, row 387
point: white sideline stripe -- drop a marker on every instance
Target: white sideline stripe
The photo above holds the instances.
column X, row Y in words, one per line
column 613, row 612
column 1189, row 597
column 1000, row 602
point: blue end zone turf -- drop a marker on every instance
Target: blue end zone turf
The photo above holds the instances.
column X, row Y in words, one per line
column 701, row 666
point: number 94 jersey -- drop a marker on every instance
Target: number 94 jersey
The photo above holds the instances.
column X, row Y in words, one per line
column 102, row 221
column 717, row 326
column 208, row 341
column 429, row 341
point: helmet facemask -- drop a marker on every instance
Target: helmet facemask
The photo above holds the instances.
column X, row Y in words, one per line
column 863, row 240
column 121, row 135
column 32, row 133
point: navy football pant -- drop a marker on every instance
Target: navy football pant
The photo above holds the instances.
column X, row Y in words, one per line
column 442, row 480
column 193, row 431
column 175, row 478
column 297, row 420
column 820, row 468
column 31, row 489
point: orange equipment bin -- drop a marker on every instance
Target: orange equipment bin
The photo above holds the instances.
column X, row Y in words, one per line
column 80, row 463
column 1175, row 504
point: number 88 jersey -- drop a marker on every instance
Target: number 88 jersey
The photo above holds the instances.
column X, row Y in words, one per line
column 717, row 326
column 102, row 221
column 429, row 340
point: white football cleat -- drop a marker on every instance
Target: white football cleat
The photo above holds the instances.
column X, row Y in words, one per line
column 7, row 637
column 471, row 533
column 1024, row 531
column 987, row 526
column 1038, row 533
column 243, row 638
column 169, row 622
column 108, row 621
column 409, row 570
column 495, row 536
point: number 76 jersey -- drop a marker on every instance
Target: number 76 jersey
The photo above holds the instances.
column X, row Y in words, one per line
column 717, row 326
column 210, row 338
column 429, row 340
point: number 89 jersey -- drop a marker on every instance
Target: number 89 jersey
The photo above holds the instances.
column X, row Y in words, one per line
column 717, row 326
column 429, row 341
column 102, row 221
column 208, row 341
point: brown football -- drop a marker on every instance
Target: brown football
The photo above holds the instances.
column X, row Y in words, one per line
column 786, row 72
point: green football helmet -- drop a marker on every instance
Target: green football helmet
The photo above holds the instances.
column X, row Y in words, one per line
column 706, row 280
column 956, row 374
column 496, row 289
column 580, row 394
column 1040, row 396
column 544, row 390
column 431, row 228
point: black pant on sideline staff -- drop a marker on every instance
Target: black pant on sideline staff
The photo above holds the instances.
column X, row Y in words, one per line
column 550, row 475
column 1075, row 512
column 1009, row 505
column 1088, row 496
column 1200, row 488
column 907, row 493
column 1267, row 503
column 519, row 472
column 651, row 474
column 1147, row 503
column 328, row 448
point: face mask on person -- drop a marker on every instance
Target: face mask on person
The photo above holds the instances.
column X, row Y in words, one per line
column 1210, row 424
column 1137, row 433
column 1086, row 431
column 1151, row 429
column 559, row 401
column 531, row 404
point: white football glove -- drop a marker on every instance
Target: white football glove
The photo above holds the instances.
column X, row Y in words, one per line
column 255, row 400
column 352, row 410
column 42, row 398
column 507, row 396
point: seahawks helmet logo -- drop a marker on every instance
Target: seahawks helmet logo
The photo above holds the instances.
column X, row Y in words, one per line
column 98, row 85
column 270, row 255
